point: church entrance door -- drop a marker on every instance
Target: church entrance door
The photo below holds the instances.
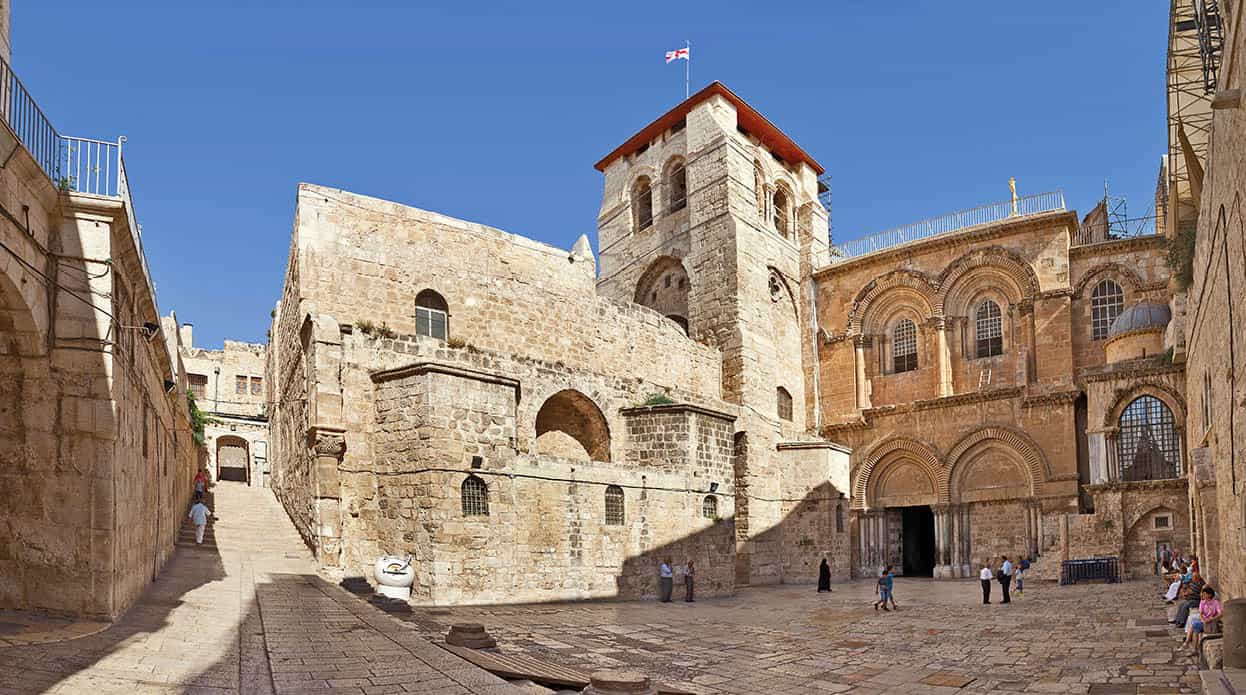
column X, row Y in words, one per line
column 918, row 533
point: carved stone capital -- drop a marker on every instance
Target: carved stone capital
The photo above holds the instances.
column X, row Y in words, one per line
column 328, row 443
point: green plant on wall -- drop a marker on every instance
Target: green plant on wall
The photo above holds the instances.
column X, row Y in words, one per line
column 198, row 420
column 658, row 399
column 1181, row 255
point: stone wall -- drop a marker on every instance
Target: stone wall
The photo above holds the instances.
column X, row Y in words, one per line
column 95, row 447
column 1216, row 329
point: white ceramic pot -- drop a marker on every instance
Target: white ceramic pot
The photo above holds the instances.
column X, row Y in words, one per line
column 395, row 570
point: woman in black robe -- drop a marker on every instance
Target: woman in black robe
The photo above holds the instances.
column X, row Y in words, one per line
column 824, row 577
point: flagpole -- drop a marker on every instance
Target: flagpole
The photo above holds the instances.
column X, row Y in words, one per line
column 687, row 67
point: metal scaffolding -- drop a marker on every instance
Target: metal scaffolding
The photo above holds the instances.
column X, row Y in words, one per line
column 1195, row 48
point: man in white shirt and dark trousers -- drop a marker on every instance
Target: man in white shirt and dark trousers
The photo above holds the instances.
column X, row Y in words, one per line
column 986, row 575
column 1005, row 578
column 199, row 516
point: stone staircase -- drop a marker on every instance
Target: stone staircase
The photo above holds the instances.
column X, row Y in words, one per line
column 186, row 532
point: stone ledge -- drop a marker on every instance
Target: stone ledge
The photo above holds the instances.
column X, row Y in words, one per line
column 823, row 444
column 676, row 408
column 419, row 368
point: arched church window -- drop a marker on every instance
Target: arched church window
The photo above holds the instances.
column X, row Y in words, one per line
column 614, row 505
column 709, row 507
column 431, row 315
column 642, row 203
column 1148, row 446
column 678, row 185
column 1106, row 302
column 904, row 346
column 988, row 330
column 782, row 211
column 784, row 403
column 475, row 494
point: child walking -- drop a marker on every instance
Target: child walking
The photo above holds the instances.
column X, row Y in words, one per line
column 883, row 589
column 199, row 514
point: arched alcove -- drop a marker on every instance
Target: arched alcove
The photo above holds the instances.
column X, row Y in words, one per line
column 570, row 425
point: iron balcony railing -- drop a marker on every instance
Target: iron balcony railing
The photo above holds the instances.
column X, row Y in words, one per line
column 75, row 165
column 952, row 222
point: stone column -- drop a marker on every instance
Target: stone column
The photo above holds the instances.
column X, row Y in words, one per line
column 966, row 544
column 329, row 446
column 859, row 344
column 945, row 358
column 943, row 542
column 1031, row 340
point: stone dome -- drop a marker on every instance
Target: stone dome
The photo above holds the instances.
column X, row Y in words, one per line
column 1139, row 317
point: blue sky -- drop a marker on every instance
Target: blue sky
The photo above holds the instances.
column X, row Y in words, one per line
column 497, row 115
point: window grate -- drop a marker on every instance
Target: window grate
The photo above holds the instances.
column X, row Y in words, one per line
column 783, row 403
column 709, row 507
column 1148, row 446
column 475, row 495
column 614, row 505
column 1106, row 303
column 989, row 330
column 904, row 346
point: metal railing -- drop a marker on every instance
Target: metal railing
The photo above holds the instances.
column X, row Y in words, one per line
column 75, row 165
column 986, row 214
column 24, row 117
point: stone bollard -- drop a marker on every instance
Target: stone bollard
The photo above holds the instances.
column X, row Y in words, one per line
column 470, row 635
column 1234, row 624
column 620, row 683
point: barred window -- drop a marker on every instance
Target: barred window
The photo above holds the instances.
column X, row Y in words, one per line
column 198, row 385
column 475, row 497
column 1148, row 446
column 1106, row 302
column 781, row 211
column 989, row 330
column 784, row 403
column 678, row 181
column 839, row 518
column 642, row 204
column 614, row 505
column 257, row 385
column 240, row 385
column 709, row 507
column 432, row 315
column 904, row 346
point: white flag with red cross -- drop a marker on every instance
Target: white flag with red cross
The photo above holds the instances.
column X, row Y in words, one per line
column 677, row 54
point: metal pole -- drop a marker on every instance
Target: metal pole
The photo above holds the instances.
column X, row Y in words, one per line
column 687, row 66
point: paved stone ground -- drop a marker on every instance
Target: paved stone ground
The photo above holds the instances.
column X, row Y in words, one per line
column 1078, row 639
column 244, row 613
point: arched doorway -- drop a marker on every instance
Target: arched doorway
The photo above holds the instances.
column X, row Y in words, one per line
column 233, row 459
column 35, row 553
column 569, row 425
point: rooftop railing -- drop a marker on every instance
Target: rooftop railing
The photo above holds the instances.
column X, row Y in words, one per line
column 952, row 222
column 75, row 165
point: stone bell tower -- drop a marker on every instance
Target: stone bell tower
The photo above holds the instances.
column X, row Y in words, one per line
column 711, row 217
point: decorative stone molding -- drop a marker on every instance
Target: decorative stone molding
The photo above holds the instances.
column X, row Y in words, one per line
column 998, row 257
column 1025, row 447
column 916, row 281
column 1112, row 270
column 1122, row 397
column 327, row 443
column 926, row 455
column 1132, row 369
column 1113, row 246
column 1051, row 398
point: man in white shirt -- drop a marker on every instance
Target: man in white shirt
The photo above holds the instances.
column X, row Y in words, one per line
column 986, row 575
column 199, row 516
column 1005, row 578
column 666, row 581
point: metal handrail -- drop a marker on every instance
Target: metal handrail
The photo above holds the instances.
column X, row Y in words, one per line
column 76, row 165
column 952, row 222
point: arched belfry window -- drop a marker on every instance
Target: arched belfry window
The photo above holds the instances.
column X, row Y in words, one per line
column 614, row 505
column 783, row 402
column 432, row 316
column 759, row 189
column 677, row 184
column 988, row 330
column 642, row 203
column 1106, row 302
column 904, row 346
column 782, row 211
column 709, row 507
column 1147, row 445
column 475, row 494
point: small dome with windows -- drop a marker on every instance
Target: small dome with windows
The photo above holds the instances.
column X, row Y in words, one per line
column 1141, row 316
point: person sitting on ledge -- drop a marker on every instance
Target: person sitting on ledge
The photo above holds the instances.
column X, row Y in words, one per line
column 1190, row 596
column 1209, row 609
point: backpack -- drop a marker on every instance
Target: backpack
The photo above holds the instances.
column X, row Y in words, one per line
column 1025, row 564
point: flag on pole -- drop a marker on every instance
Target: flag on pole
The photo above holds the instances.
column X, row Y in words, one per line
column 677, row 54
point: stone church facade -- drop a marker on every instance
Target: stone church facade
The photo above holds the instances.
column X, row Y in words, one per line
column 720, row 384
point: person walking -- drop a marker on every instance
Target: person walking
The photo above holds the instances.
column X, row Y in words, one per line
column 824, row 577
column 883, row 588
column 201, row 484
column 1019, row 572
column 986, row 575
column 666, row 581
column 689, row 571
column 199, row 514
column 1005, row 579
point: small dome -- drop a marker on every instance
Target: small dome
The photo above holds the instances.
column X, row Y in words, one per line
column 1141, row 316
